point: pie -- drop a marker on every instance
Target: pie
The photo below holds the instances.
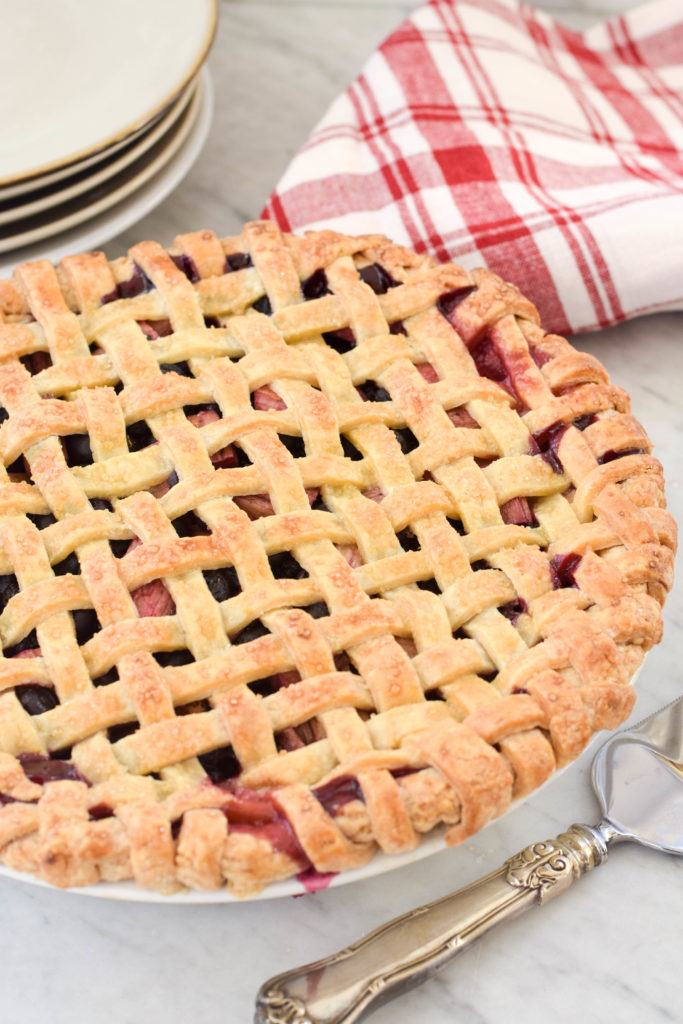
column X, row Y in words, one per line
column 309, row 545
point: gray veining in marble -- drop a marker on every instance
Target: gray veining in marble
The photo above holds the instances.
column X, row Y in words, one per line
column 609, row 950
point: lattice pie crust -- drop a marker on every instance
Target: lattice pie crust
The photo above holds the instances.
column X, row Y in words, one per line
column 308, row 546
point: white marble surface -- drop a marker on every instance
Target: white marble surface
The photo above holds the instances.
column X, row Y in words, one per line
column 608, row 950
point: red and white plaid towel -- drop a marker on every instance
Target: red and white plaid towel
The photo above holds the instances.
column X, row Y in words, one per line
column 484, row 132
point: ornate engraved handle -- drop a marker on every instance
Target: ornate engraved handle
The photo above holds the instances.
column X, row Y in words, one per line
column 407, row 950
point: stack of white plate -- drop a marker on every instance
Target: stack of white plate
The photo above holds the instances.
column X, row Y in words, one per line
column 105, row 106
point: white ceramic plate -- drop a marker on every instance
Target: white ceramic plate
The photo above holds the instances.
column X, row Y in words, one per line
column 380, row 864
column 104, row 170
column 103, row 198
column 79, row 77
column 112, row 222
column 25, row 185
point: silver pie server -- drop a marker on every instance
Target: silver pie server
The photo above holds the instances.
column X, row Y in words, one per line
column 638, row 778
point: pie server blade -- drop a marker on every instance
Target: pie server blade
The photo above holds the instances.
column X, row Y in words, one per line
column 638, row 778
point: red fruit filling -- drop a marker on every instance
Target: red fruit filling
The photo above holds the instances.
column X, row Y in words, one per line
column 151, row 599
column 257, row 814
column 517, row 512
column 461, row 418
column 562, row 569
column 258, row 505
column 155, row 328
column 428, row 372
column 334, row 794
column 547, row 443
column 42, row 769
column 266, row 399
column 611, row 455
column 314, row 881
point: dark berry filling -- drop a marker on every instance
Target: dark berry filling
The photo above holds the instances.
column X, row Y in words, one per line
column 513, row 609
column 139, row 436
column 407, row 440
column 379, row 279
column 457, row 526
column 315, row 286
column 36, row 362
column 188, row 266
column 70, row 564
column 447, row 303
column 350, row 450
column 36, row 699
column 190, row 525
column 285, row 566
column 430, row 584
column 196, row 410
column 263, row 305
column 399, row 773
column 241, row 456
column 397, row 327
column 119, row 547
column 372, row 392
column 111, row 296
column 100, row 811
column 221, row 765
column 78, row 450
column 9, row 587
column 254, row 631
column 173, row 658
column 182, row 369
column 29, row 643
column 18, row 467
column 408, row 540
column 318, row 610
column 135, row 285
column 319, row 505
column 294, row 445
column 342, row 340
column 86, row 623
column 223, row 583
column 237, row 261
column 109, row 677
column 118, row 732
column 562, row 569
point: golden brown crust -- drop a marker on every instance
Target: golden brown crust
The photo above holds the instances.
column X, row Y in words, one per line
column 464, row 507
